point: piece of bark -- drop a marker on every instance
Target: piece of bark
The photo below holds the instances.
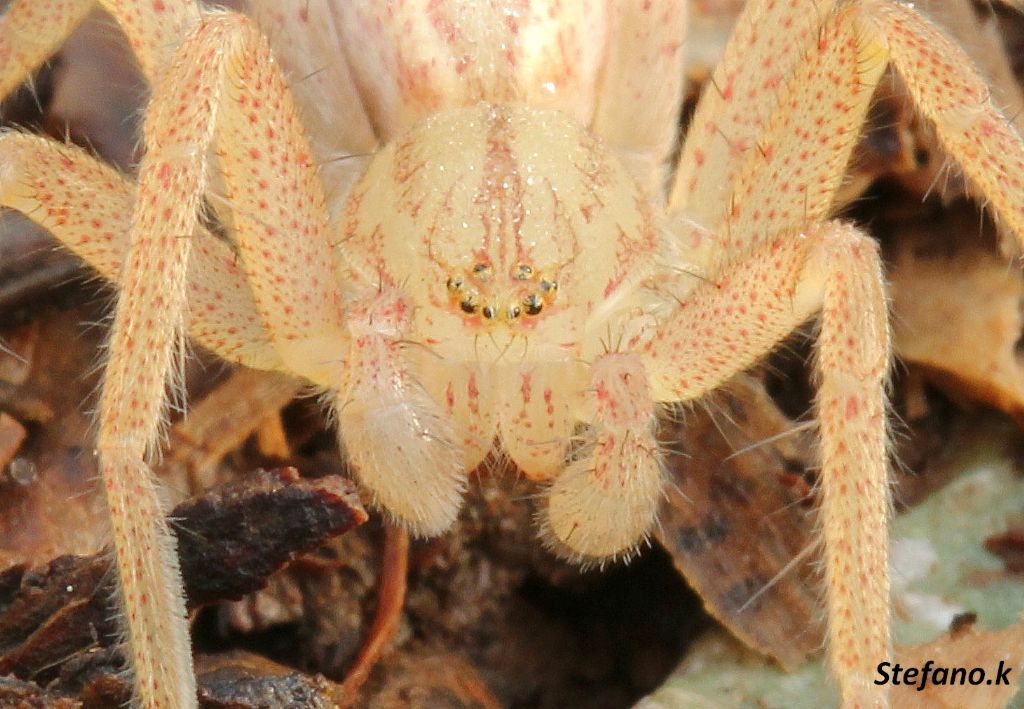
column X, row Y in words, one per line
column 232, row 540
column 28, row 695
column 52, row 613
column 96, row 677
column 243, row 532
column 230, row 680
column 241, row 680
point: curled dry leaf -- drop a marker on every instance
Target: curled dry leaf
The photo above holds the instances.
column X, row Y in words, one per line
column 232, row 538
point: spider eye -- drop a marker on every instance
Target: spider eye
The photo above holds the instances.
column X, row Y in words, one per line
column 547, row 286
column 454, row 284
column 468, row 306
column 482, row 270
column 489, row 311
column 524, row 272
column 533, row 304
column 514, row 311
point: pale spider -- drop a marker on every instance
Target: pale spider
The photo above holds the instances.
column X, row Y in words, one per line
column 514, row 259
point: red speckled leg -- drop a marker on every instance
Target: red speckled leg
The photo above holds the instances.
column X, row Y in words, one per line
column 87, row 205
column 772, row 136
column 772, row 38
column 604, row 503
column 400, row 441
column 220, row 89
column 949, row 91
column 790, row 132
column 647, row 41
column 32, row 30
column 725, row 327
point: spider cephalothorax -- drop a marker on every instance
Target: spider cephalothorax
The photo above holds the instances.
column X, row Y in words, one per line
column 499, row 219
column 516, row 236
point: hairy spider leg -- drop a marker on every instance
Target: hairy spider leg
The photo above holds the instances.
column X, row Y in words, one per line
column 727, row 325
column 605, row 501
column 636, row 116
column 790, row 135
column 218, row 76
column 231, row 67
column 797, row 159
column 306, row 40
column 87, row 205
column 32, row 30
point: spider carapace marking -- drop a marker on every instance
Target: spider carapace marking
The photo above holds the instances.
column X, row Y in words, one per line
column 511, row 234
column 485, row 220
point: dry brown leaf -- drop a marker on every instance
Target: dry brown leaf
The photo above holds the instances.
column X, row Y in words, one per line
column 957, row 308
column 968, row 648
column 220, row 422
column 12, row 435
column 51, row 506
column 736, row 525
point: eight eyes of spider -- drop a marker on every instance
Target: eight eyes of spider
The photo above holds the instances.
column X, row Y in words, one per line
column 520, row 246
column 466, row 291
